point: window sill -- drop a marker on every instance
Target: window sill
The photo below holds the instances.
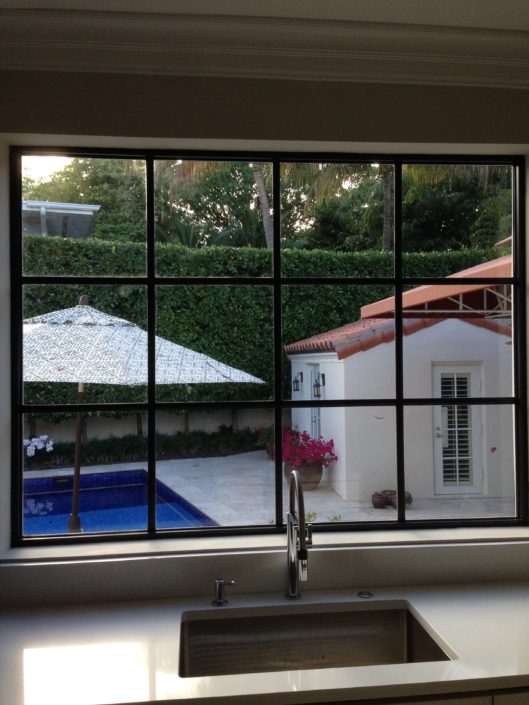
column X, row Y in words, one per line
column 260, row 543
column 176, row 569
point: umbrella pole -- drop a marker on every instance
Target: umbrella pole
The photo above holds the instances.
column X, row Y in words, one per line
column 74, row 522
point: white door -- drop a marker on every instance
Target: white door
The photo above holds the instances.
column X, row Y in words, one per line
column 315, row 416
column 457, row 431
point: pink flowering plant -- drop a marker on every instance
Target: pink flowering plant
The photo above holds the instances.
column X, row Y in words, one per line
column 301, row 447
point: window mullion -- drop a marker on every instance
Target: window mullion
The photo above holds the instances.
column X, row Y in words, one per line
column 399, row 362
column 151, row 352
column 519, row 314
column 278, row 341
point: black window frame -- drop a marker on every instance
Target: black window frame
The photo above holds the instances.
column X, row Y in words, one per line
column 276, row 281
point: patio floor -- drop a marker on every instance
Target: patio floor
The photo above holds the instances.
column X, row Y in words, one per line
column 238, row 490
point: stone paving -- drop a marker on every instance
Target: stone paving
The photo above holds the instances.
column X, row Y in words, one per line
column 238, row 490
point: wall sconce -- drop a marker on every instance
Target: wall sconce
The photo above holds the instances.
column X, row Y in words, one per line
column 298, row 379
column 318, row 384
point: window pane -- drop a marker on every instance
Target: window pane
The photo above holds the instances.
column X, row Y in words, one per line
column 462, row 327
column 363, row 441
column 83, row 216
column 217, row 343
column 222, row 207
column 459, row 458
column 97, row 348
column 345, row 211
column 112, row 493
column 213, row 469
column 334, row 348
column 461, row 215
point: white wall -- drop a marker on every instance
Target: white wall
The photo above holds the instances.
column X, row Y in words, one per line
column 456, row 341
column 370, row 452
column 101, row 427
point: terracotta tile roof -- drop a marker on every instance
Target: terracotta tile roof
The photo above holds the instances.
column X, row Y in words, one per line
column 355, row 337
column 376, row 324
column 427, row 294
column 368, row 333
column 497, row 325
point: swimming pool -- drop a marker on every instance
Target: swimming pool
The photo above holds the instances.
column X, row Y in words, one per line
column 108, row 501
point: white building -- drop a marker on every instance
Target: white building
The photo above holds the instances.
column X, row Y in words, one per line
column 60, row 219
column 456, row 343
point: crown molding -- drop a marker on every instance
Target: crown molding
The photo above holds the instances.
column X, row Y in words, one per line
column 261, row 47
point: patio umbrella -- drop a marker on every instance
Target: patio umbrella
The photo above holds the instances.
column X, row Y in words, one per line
column 86, row 346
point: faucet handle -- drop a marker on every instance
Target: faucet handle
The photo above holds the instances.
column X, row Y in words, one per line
column 220, row 584
column 308, row 535
column 303, row 565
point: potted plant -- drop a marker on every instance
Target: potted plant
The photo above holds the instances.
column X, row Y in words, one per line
column 308, row 455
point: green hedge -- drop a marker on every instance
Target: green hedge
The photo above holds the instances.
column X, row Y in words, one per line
column 88, row 257
column 196, row 444
column 230, row 323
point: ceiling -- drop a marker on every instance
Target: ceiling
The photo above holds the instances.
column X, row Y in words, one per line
column 446, row 42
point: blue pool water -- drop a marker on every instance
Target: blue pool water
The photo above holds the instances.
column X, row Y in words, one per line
column 108, row 501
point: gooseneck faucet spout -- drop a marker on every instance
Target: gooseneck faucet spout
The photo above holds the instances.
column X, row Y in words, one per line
column 299, row 536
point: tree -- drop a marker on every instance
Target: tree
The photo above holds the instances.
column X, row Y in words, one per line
column 336, row 206
column 388, row 178
column 264, row 203
column 455, row 206
column 444, row 207
column 351, row 222
column 212, row 195
column 226, row 202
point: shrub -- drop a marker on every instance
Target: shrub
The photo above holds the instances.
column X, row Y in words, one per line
column 130, row 448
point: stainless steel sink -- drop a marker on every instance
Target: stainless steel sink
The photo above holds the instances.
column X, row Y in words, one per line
column 302, row 637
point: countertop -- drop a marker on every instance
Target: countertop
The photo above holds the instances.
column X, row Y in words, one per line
column 129, row 652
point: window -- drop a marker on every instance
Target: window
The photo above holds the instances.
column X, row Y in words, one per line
column 185, row 322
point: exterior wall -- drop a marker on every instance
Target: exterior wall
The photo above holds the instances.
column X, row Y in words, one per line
column 365, row 436
column 455, row 341
column 370, row 440
column 333, row 421
column 371, row 374
column 100, row 427
column 370, row 451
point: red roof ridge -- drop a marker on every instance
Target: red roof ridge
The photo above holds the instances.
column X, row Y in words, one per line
column 384, row 335
column 360, row 335
column 328, row 340
column 368, row 333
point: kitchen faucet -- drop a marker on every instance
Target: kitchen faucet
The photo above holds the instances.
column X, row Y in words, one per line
column 299, row 536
